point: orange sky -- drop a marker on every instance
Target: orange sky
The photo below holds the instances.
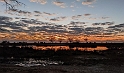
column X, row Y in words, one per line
column 43, row 36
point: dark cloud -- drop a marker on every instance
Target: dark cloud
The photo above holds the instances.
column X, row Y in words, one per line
column 94, row 24
column 37, row 12
column 76, row 23
column 49, row 14
column 93, row 30
column 7, row 25
column 116, row 28
column 87, row 14
column 17, row 18
column 104, row 17
column 120, row 26
column 75, row 27
column 33, row 25
column 58, row 18
column 77, row 30
column 76, row 17
column 31, row 21
column 19, row 12
column 105, row 23
column 24, row 18
column 24, row 12
column 109, row 23
column 54, row 19
column 3, row 30
column 3, row 18
column 37, row 15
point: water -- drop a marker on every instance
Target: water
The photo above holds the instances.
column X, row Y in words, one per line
column 32, row 62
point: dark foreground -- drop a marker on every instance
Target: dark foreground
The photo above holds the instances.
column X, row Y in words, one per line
column 74, row 61
column 73, row 64
column 100, row 68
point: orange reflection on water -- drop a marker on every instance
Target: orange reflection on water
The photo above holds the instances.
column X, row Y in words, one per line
column 92, row 49
column 51, row 47
column 67, row 48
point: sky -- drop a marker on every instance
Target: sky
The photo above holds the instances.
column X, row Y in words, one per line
column 37, row 20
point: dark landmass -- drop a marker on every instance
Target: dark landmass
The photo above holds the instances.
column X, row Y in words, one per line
column 71, row 45
column 75, row 61
column 29, row 52
column 67, row 56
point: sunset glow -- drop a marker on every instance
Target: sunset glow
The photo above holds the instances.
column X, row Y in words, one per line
column 58, row 37
column 63, row 21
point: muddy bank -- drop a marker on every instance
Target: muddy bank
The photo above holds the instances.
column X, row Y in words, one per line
column 62, row 69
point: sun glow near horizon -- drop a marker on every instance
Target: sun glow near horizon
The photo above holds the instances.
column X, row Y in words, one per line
column 59, row 37
column 61, row 21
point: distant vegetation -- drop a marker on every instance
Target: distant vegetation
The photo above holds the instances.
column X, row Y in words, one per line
column 28, row 52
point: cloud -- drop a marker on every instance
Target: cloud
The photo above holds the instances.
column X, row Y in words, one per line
column 94, row 24
column 39, row 1
column 88, row 2
column 93, row 30
column 8, row 26
column 72, row 6
column 48, row 14
column 78, row 0
column 3, row 18
column 104, row 17
column 60, row 4
column 38, row 12
column 105, row 23
column 115, row 29
column 109, row 23
column 31, row 25
column 24, row 18
column 17, row 17
column 1, row 0
column 59, row 18
column 77, row 23
column 24, row 12
column 54, row 19
column 76, row 17
column 19, row 12
column 87, row 14
column 77, row 27
column 30, row 21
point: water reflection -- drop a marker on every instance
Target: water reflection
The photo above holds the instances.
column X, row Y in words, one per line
column 32, row 62
column 67, row 48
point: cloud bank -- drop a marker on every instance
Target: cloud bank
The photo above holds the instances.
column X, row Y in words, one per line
column 60, row 4
column 39, row 1
column 88, row 2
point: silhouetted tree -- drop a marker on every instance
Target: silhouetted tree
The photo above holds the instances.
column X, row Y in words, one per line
column 12, row 4
column 5, row 42
column 51, row 39
column 60, row 40
column 77, row 40
column 86, row 39
column 70, row 39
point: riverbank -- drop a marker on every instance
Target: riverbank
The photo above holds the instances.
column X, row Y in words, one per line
column 100, row 68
